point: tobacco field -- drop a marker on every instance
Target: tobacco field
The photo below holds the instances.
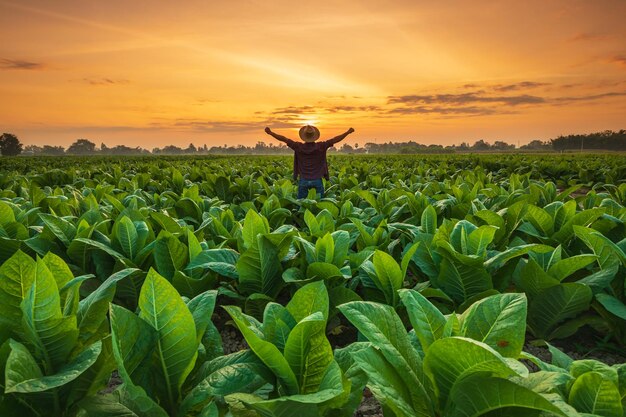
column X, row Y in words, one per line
column 419, row 280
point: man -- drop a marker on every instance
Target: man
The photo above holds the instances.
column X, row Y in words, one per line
column 309, row 162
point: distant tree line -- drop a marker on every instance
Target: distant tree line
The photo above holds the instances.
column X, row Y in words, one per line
column 606, row 140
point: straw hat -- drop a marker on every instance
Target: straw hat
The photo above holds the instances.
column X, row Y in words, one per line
column 309, row 133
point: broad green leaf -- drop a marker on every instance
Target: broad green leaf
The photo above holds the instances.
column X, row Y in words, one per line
column 480, row 238
column 266, row 351
column 461, row 282
column 253, row 225
column 388, row 276
column 498, row 321
column 59, row 269
column 308, row 352
column 533, row 280
column 170, row 255
column 309, row 299
column 608, row 253
column 201, row 308
column 451, row 359
column 62, row 229
column 176, row 350
column 304, row 405
column 133, row 341
column 555, row 304
column 26, row 381
column 612, row 305
column 259, row 268
column 496, row 262
column 16, row 277
column 593, row 394
column 429, row 220
column 126, row 234
column 92, row 310
column 428, row 322
column 566, row 267
column 389, row 387
column 477, row 395
column 383, row 328
column 52, row 336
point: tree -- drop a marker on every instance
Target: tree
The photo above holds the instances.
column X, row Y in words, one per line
column 52, row 150
column 10, row 145
column 82, row 147
column 32, row 150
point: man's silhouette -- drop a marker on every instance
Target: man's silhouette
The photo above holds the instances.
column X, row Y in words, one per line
column 309, row 162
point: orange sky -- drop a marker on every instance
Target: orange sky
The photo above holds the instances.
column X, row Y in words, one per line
column 150, row 73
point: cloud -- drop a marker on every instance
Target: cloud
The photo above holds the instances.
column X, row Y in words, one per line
column 519, row 86
column 16, row 64
column 458, row 111
column 588, row 36
column 619, row 60
column 465, row 99
column 592, row 97
column 295, row 110
column 104, row 81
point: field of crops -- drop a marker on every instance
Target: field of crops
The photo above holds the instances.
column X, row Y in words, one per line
column 420, row 278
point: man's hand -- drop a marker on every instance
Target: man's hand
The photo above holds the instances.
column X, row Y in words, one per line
column 268, row 130
column 350, row 131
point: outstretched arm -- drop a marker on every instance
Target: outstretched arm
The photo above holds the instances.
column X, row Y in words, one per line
column 277, row 136
column 339, row 138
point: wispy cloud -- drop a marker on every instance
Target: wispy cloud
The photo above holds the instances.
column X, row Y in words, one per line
column 589, row 36
column 619, row 60
column 104, row 81
column 464, row 99
column 524, row 85
column 16, row 64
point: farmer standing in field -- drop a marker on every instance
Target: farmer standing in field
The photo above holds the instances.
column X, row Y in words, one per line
column 309, row 161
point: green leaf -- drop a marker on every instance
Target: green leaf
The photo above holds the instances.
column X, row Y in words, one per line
column 59, row 269
column 221, row 261
column 566, row 267
column 479, row 239
column 498, row 321
column 133, row 341
column 308, row 352
column 126, row 234
column 555, row 304
column 451, row 359
column 428, row 322
column 477, row 395
column 26, row 380
column 62, row 229
column 389, row 387
column 259, row 269
column 52, row 336
column 253, row 225
column 176, row 350
column 461, row 281
column 429, row 220
column 201, row 308
column 265, row 351
column 381, row 325
column 608, row 253
column 309, row 299
column 496, row 262
column 170, row 255
column 92, row 310
column 593, row 394
column 612, row 305
column 16, row 277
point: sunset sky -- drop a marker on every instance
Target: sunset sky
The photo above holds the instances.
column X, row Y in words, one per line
column 151, row 73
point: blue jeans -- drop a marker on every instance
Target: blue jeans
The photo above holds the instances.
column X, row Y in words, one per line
column 305, row 185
